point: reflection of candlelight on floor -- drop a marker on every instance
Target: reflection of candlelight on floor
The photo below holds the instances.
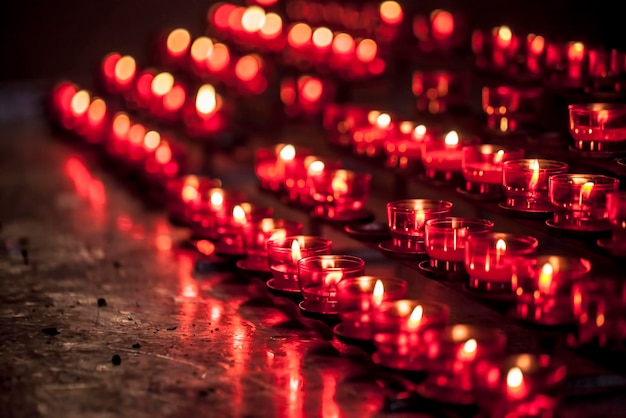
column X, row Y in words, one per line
column 330, row 409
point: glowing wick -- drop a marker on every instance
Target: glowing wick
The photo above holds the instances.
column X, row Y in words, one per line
column 316, row 168
column 217, row 200
column 383, row 120
column 379, row 292
column 287, row 153
column 239, row 215
column 534, row 178
column 451, row 139
column 416, row 317
column 419, row 132
column 585, row 192
column 206, row 100
column 545, row 278
column 296, row 254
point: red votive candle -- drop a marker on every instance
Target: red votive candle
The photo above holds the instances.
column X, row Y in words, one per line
column 300, row 185
column 359, row 297
column 265, row 167
column 398, row 328
column 508, row 107
column 451, row 358
column 340, row 120
column 525, row 184
column 579, row 201
column 445, row 240
column 318, row 277
column 543, row 287
column 283, row 255
column 404, row 149
column 483, row 166
column 214, row 202
column 370, row 139
column 599, row 309
column 184, row 195
column 229, row 227
column 489, row 259
column 337, row 192
column 598, row 127
column 257, row 233
column 438, row 91
column 520, row 385
column 406, row 220
column 442, row 157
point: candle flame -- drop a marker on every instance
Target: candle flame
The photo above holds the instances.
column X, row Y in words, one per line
column 383, row 120
column 585, row 192
column 162, row 84
column 501, row 245
column 372, row 116
column 603, row 116
column 316, row 168
column 296, row 254
column 505, row 34
column 419, row 132
column 416, row 317
column 80, row 102
column 217, row 199
column 279, row 234
column 470, row 346
column 328, row 263
column 452, row 138
column 206, row 99
column 545, row 277
column 534, row 178
column 151, row 140
column 406, row 127
column 339, row 185
column 239, row 215
column 332, row 278
column 379, row 292
column 287, row 153
column 514, row 378
column 267, row 224
column 189, row 193
column 499, row 156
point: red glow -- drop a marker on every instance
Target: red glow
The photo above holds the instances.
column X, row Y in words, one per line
column 322, row 37
column 272, row 27
column 178, row 42
column 163, row 153
column 220, row 13
column 205, row 247
column 201, row 49
column 175, row 99
column 125, row 69
column 136, row 133
column 311, row 88
column 219, row 58
column 248, row 67
column 144, row 84
column 576, row 51
column 299, row 35
column 288, row 92
column 366, row 50
column 442, row 23
column 97, row 111
column 63, row 95
column 80, row 102
column 108, row 65
column 85, row 184
column 536, row 44
column 266, row 3
column 253, row 19
column 504, row 37
column 377, row 66
column 162, row 84
column 151, row 140
column 234, row 19
column 121, row 125
column 343, row 44
column 391, row 12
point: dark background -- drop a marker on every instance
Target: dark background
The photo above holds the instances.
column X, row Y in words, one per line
column 47, row 40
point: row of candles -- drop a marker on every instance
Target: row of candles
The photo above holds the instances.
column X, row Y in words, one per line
column 464, row 364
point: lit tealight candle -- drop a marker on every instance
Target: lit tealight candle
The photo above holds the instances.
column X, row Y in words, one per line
column 442, row 159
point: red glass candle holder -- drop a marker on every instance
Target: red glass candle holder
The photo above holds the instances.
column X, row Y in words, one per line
column 509, row 108
column 445, row 241
column 336, row 192
column 299, row 181
column 272, row 165
column 525, row 184
column 183, row 195
column 257, row 233
column 318, row 277
column 406, row 220
column 489, row 259
column 616, row 214
column 452, row 356
column 520, row 385
column 212, row 204
column 283, row 255
column 359, row 297
column 598, row 127
column 442, row 157
column 229, row 226
column 600, row 312
column 370, row 139
column 579, row 201
column 440, row 91
column 404, row 150
column 398, row 328
column 340, row 120
column 543, row 287
column 483, row 165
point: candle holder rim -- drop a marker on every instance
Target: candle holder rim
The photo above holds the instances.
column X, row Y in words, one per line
column 583, row 108
column 345, row 284
column 510, row 149
column 434, row 223
column 605, row 181
column 443, row 205
column 526, row 91
column 350, row 174
column 552, row 164
column 389, row 304
column 495, row 336
column 579, row 264
column 512, row 236
column 621, row 161
column 545, row 363
column 274, row 243
column 303, row 262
